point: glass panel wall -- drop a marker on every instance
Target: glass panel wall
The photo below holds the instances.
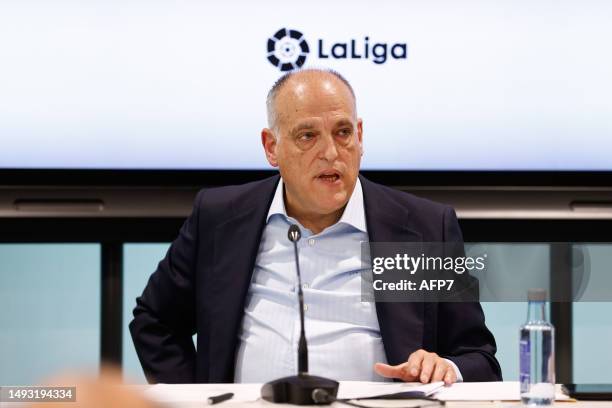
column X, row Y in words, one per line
column 49, row 310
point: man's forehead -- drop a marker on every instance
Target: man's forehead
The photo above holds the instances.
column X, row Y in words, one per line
column 314, row 115
column 313, row 123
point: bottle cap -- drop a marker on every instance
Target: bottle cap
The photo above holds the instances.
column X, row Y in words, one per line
column 536, row 295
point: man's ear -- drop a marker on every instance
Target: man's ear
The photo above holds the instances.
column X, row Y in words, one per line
column 360, row 134
column 268, row 140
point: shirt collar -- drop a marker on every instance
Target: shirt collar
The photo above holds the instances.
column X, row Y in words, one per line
column 354, row 212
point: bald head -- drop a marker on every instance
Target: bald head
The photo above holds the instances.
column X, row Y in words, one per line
column 295, row 85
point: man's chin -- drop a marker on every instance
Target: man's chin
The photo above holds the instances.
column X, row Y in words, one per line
column 334, row 204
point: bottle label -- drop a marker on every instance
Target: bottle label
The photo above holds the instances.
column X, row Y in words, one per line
column 525, row 365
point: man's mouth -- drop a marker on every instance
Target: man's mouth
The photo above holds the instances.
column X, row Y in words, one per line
column 329, row 177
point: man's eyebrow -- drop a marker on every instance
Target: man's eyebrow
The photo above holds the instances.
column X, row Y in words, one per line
column 303, row 126
column 344, row 122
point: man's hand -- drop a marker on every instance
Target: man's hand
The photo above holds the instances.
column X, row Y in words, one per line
column 421, row 366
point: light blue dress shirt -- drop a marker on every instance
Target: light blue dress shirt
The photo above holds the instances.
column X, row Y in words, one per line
column 343, row 334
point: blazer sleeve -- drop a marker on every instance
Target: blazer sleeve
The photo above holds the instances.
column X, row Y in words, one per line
column 463, row 336
column 164, row 316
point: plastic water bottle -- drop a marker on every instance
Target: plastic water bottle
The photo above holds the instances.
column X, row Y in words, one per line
column 537, row 353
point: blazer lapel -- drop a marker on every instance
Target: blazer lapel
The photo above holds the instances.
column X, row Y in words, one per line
column 401, row 323
column 236, row 243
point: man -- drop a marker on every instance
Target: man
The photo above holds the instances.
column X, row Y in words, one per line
column 230, row 274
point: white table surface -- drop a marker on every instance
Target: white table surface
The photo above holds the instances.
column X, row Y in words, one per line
column 246, row 395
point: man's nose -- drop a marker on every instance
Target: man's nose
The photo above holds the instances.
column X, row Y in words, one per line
column 329, row 150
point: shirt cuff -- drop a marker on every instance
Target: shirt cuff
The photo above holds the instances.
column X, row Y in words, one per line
column 457, row 372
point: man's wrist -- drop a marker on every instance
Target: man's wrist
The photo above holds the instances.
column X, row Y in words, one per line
column 457, row 372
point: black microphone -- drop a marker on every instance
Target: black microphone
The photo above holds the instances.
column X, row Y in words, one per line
column 294, row 235
column 301, row 389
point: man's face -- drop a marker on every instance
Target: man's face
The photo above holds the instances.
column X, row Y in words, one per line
column 317, row 144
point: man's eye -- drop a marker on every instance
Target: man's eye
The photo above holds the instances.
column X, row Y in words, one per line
column 307, row 136
column 345, row 132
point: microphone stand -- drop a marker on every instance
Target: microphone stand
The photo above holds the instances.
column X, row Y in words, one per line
column 303, row 388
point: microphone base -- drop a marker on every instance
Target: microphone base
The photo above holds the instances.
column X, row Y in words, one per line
column 297, row 389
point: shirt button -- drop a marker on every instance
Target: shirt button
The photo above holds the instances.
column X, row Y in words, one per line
column 311, row 241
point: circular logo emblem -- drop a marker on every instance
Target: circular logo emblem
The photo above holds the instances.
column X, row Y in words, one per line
column 287, row 49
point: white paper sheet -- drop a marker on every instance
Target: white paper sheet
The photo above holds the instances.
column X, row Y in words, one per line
column 486, row 391
column 361, row 389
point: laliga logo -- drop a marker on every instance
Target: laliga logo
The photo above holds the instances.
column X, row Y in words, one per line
column 287, row 50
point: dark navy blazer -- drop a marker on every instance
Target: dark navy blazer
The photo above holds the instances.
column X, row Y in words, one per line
column 201, row 285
